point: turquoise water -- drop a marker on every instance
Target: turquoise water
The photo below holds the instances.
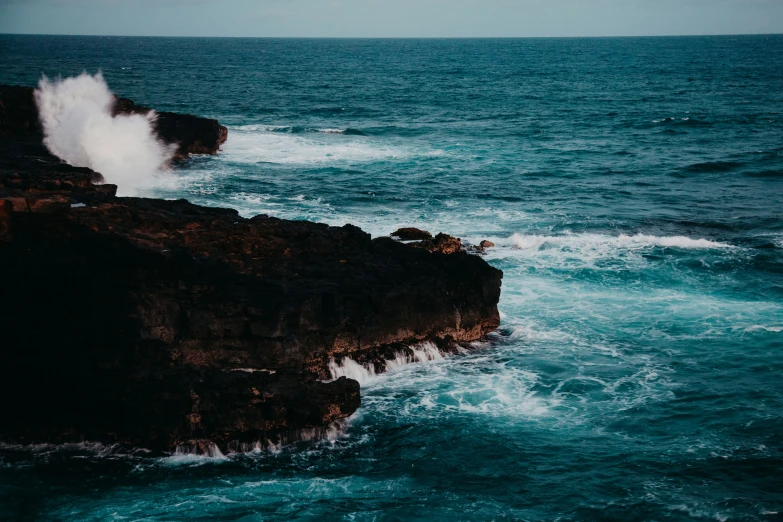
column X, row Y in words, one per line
column 634, row 189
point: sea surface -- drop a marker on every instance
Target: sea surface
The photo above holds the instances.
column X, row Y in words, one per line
column 634, row 190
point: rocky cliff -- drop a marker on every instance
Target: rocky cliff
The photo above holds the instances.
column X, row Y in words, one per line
column 157, row 323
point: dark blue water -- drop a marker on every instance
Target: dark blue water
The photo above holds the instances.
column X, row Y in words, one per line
column 634, row 189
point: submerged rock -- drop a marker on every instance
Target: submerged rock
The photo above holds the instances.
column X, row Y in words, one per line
column 155, row 323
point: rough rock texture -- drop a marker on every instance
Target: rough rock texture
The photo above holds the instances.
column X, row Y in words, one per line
column 158, row 323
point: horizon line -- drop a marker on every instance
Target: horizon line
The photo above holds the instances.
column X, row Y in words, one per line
column 396, row 37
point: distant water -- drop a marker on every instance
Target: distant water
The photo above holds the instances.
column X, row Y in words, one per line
column 634, row 189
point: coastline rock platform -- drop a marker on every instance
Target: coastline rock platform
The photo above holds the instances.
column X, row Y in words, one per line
column 159, row 323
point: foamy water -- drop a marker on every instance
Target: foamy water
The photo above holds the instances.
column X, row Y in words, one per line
column 252, row 144
column 367, row 373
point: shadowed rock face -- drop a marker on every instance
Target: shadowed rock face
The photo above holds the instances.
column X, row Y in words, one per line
column 156, row 323
column 191, row 134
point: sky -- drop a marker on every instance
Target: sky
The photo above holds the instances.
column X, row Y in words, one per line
column 391, row 18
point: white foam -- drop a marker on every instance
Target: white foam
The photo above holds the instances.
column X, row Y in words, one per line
column 622, row 241
column 365, row 373
column 421, row 353
column 474, row 385
column 76, row 115
column 531, row 333
column 759, row 327
column 199, row 454
column 257, row 144
column 526, row 242
column 351, row 369
column 328, row 436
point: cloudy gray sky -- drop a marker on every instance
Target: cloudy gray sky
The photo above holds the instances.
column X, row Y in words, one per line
column 391, row 18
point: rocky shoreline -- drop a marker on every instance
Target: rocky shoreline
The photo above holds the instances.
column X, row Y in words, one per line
column 159, row 323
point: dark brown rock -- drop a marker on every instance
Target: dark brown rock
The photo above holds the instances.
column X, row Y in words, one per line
column 156, row 323
column 412, row 234
column 18, row 114
column 446, row 244
column 442, row 243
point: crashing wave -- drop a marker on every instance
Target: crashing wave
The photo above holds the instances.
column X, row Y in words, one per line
column 207, row 452
column 199, row 453
column 79, row 128
column 364, row 373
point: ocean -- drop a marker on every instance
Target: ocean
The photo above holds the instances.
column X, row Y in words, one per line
column 634, row 190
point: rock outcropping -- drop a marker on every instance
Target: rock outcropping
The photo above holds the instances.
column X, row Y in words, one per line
column 443, row 243
column 191, row 134
column 158, row 323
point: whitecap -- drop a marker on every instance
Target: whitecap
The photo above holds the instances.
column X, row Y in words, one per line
column 623, row 241
column 759, row 327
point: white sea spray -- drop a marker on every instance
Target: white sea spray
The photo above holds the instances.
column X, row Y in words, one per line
column 79, row 128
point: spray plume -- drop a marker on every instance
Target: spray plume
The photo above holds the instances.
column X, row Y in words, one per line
column 79, row 128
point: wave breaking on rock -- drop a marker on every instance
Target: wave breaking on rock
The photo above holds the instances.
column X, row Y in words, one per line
column 80, row 127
